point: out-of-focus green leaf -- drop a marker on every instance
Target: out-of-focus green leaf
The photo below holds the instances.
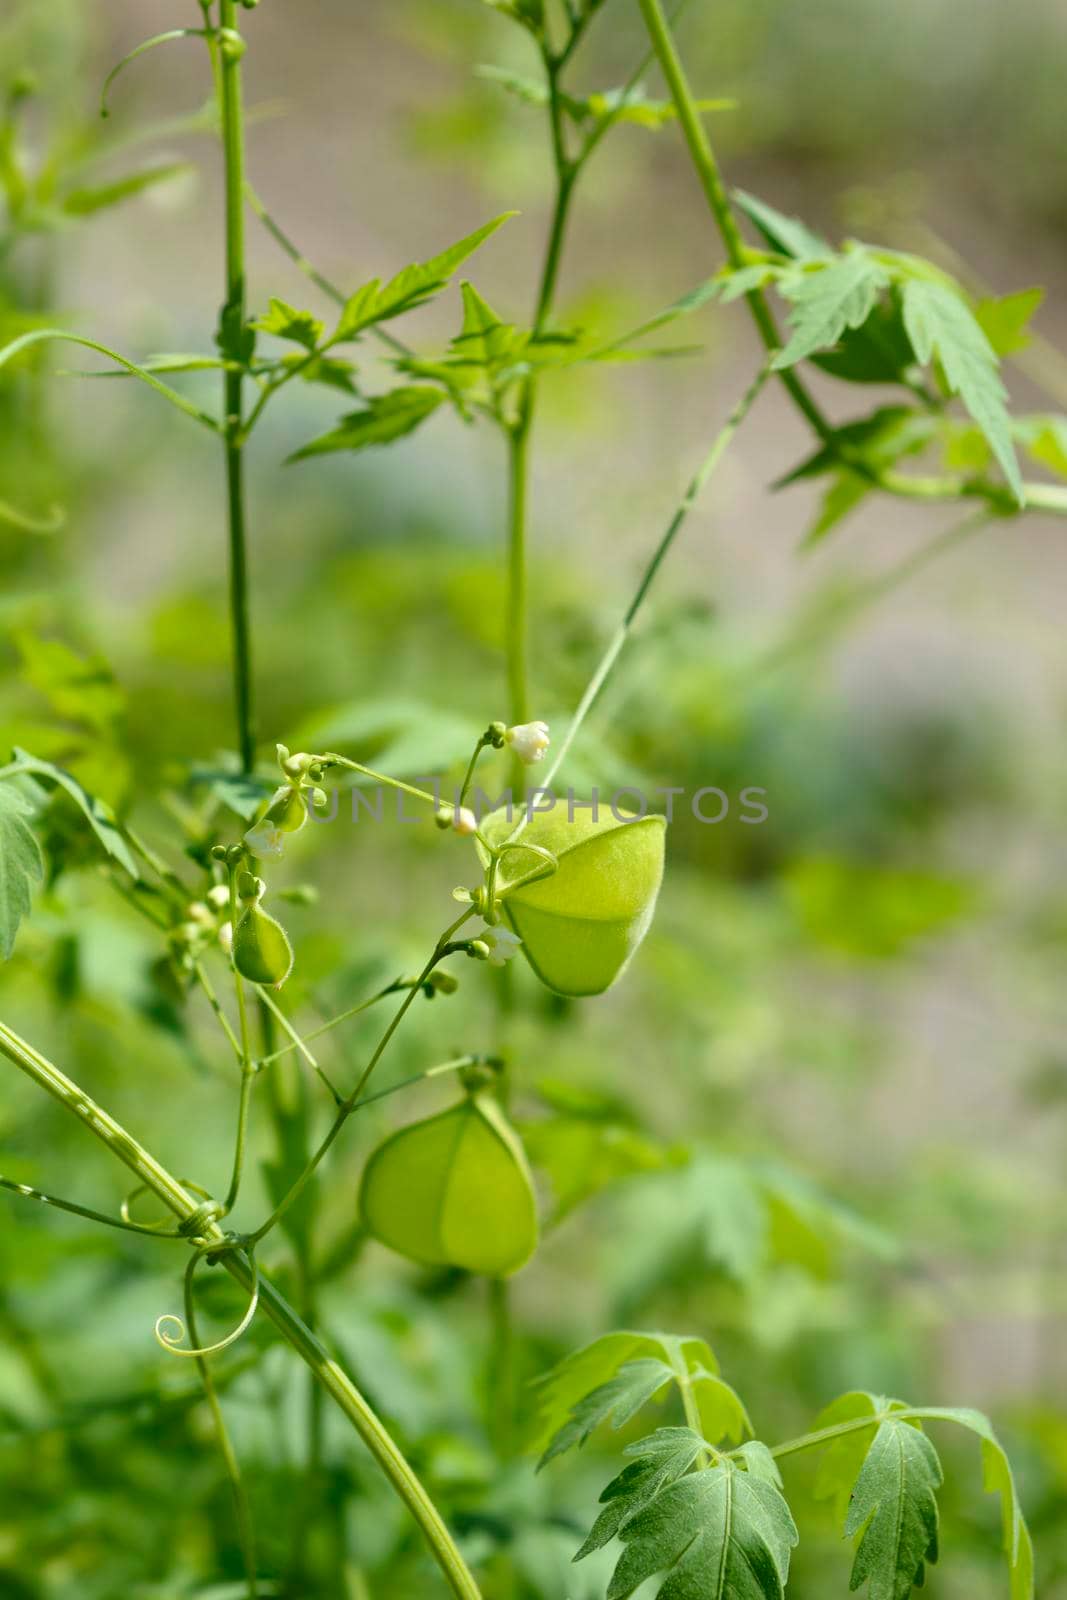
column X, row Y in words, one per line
column 786, row 234
column 85, row 202
column 1005, row 321
column 384, row 418
column 942, row 326
column 21, row 866
column 97, row 813
column 868, row 910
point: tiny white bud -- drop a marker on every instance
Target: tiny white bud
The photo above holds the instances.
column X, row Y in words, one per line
column 529, row 740
column 464, row 821
column 502, row 944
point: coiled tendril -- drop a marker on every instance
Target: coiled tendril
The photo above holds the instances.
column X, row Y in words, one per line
column 171, row 1330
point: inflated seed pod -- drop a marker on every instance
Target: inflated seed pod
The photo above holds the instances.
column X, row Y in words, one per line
column 455, row 1191
column 581, row 925
column 261, row 949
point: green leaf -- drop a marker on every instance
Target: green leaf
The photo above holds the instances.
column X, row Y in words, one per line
column 868, row 910
column 760, row 1461
column 828, row 299
column 842, row 1458
column 454, row 1190
column 617, row 1401
column 998, row 1478
column 484, row 339
column 717, row 1534
column 662, row 1458
column 1044, row 438
column 941, row 326
column 97, row 813
column 709, row 289
column 1005, row 321
column 286, row 322
column 21, row 866
column 894, row 1510
column 879, row 441
column 85, row 202
column 879, row 352
column 564, row 1388
column 788, row 235
column 412, row 287
column 384, row 418
column 79, row 688
column 633, row 104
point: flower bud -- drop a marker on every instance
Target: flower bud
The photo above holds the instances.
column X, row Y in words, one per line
column 464, row 821
column 529, row 740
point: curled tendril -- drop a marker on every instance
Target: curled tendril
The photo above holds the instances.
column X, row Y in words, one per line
column 170, row 1330
column 550, row 866
column 165, row 1224
column 140, row 50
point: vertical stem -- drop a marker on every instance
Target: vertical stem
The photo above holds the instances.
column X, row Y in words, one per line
column 707, row 170
column 518, row 488
column 232, row 329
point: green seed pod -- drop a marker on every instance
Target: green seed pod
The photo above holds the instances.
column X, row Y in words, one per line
column 580, row 926
column 454, row 1191
column 261, row 949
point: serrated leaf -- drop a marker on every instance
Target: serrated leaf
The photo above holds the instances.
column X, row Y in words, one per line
column 21, row 866
column 616, row 1401
column 485, row 340
column 286, row 322
column 717, row 1534
column 97, row 813
column 894, row 1510
column 788, row 235
column 733, row 283
column 375, row 302
column 941, row 326
column 759, row 1460
column 589, row 1368
column 879, row 352
column 384, row 418
column 662, row 1458
column 85, row 202
column 1005, row 321
column 998, row 1478
column 841, row 1460
column 827, row 300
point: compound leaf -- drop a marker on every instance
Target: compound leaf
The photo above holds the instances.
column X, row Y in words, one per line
column 827, row 300
column 788, row 235
column 662, row 1458
column 412, row 287
column 717, row 1534
column 286, row 322
column 97, row 813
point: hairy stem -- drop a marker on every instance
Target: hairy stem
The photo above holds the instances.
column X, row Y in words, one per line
column 296, row 1333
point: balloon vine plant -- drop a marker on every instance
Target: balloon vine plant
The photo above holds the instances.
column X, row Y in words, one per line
column 701, row 1506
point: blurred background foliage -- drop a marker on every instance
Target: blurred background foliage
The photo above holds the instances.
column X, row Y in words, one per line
column 823, row 1122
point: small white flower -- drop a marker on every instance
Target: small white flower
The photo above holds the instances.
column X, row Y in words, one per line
column 464, row 821
column 219, row 896
column 265, row 840
column 502, row 944
column 226, row 936
column 529, row 740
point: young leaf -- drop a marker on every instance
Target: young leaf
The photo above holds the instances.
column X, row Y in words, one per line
column 843, row 1457
column 828, row 299
column 662, row 1458
column 788, row 235
column 720, row 1534
column 940, row 325
column 1005, row 322
column 616, row 1401
column 85, row 202
column 760, row 1461
column 564, row 1388
column 384, row 418
column 412, row 287
column 583, row 1156
column 286, row 322
column 894, row 1510
column 97, row 813
column 1044, row 438
column 21, row 866
column 484, row 339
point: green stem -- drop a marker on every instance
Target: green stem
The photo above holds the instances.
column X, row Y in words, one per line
column 518, row 490
column 332, row 759
column 29, row 1193
column 333, row 1379
column 234, row 318
column 707, row 169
